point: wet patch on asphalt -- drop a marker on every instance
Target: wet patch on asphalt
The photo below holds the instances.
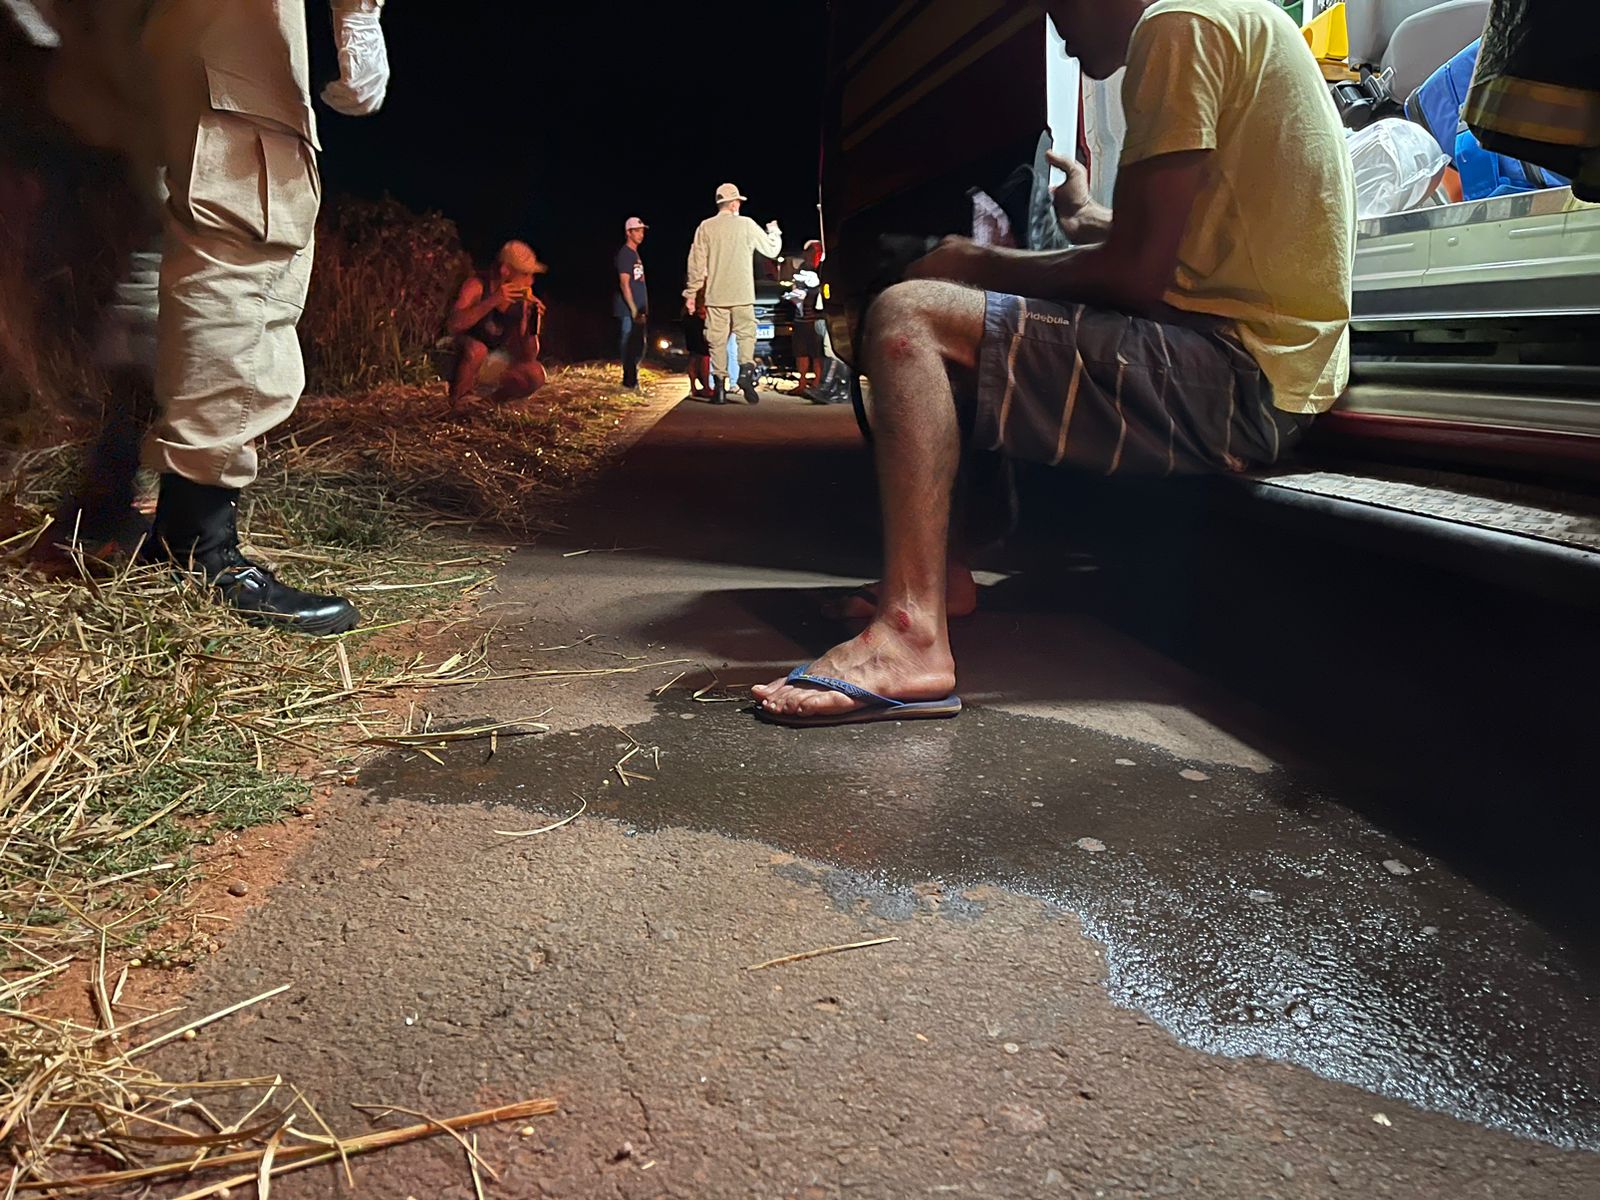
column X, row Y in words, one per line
column 1249, row 914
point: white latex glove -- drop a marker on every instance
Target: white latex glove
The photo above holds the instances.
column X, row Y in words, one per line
column 363, row 59
column 34, row 21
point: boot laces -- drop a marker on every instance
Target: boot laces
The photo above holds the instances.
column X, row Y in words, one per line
column 235, row 570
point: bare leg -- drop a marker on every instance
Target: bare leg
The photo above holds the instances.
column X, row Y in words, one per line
column 470, row 356
column 982, row 512
column 919, row 332
column 961, row 593
column 699, row 374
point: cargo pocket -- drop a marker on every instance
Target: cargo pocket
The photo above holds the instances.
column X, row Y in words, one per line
column 253, row 171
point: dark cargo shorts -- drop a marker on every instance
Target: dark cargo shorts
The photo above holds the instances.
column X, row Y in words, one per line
column 1121, row 395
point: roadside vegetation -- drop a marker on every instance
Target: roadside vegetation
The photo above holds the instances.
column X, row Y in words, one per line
column 139, row 722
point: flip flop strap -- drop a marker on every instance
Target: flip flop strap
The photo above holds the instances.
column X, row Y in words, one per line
column 856, row 692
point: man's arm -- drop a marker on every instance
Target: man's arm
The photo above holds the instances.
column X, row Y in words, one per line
column 695, row 279
column 767, row 242
column 1131, row 270
column 625, row 282
column 471, row 307
column 1179, row 80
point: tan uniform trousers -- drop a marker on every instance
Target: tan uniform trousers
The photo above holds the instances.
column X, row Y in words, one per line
column 225, row 86
column 741, row 322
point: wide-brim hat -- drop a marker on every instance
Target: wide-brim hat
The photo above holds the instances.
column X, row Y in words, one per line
column 519, row 258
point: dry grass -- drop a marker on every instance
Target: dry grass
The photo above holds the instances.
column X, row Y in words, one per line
column 383, row 282
column 137, row 719
column 504, row 467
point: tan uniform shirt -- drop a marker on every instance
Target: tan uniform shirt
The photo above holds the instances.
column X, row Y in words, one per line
column 1271, row 240
column 722, row 259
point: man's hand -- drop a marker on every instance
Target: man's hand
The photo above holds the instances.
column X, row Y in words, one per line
column 363, row 59
column 772, row 227
column 505, row 295
column 1071, row 196
column 958, row 259
column 1081, row 219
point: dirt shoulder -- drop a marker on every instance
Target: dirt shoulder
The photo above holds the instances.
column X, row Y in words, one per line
column 161, row 762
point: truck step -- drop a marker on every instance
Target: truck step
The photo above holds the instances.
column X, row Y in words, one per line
column 1518, row 535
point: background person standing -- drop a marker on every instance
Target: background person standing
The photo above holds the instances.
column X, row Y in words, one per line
column 632, row 302
column 721, row 261
column 806, row 296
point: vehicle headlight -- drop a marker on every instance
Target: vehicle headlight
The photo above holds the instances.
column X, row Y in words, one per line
column 663, row 344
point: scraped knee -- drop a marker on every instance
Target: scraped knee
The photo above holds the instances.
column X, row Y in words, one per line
column 911, row 315
column 901, row 319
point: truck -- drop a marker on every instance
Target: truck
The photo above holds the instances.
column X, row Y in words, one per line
column 1476, row 325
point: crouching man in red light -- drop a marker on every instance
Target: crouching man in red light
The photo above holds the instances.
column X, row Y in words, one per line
column 497, row 312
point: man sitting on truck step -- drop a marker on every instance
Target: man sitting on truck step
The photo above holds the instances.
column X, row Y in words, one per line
column 1198, row 326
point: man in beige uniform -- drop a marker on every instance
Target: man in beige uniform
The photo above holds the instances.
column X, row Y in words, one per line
column 722, row 260
column 1200, row 326
column 210, row 103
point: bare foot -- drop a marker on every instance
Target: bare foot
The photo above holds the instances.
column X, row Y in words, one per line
column 913, row 665
column 961, row 598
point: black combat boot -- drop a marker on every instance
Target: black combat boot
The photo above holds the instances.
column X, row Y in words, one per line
column 747, row 383
column 719, row 390
column 195, row 528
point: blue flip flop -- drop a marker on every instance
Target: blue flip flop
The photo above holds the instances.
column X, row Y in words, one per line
column 874, row 707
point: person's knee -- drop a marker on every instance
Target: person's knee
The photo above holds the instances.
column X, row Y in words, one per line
column 901, row 318
column 472, row 352
column 910, row 317
column 524, row 379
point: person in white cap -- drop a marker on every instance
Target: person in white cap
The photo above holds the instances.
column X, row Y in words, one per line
column 496, row 312
column 631, row 305
column 722, row 261
column 210, row 105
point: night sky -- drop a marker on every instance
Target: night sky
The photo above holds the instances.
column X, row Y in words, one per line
column 556, row 123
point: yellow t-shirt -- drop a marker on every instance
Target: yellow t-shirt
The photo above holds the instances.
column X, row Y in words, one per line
column 1270, row 241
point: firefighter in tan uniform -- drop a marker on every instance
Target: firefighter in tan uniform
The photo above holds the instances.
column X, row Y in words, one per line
column 210, row 102
column 722, row 261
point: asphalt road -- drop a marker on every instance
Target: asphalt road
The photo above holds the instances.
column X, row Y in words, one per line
column 1256, row 867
